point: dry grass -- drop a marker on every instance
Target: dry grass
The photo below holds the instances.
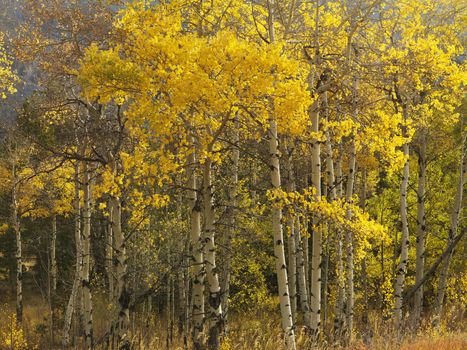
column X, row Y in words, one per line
column 256, row 331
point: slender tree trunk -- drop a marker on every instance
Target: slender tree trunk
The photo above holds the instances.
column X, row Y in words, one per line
column 186, row 304
column 402, row 266
column 197, row 255
column 457, row 208
column 110, row 277
column 110, row 258
column 317, row 234
column 75, row 291
column 331, row 195
column 421, row 228
column 168, row 310
column 291, row 247
column 121, row 294
column 53, row 258
column 292, row 266
column 301, row 275
column 339, row 307
column 172, row 298
column 349, row 272
column 215, row 320
column 85, row 277
column 325, row 274
column 231, row 229
column 306, row 260
column 365, row 316
column 19, row 254
column 52, row 277
column 279, row 252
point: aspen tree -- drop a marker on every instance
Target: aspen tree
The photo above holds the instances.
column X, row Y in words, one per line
column 53, row 255
column 279, row 252
column 421, row 228
column 402, row 265
column 291, row 241
column 232, row 197
column 214, row 299
column 19, row 249
column 197, row 298
column 121, row 296
column 72, row 305
column 301, row 274
column 86, row 264
column 315, row 290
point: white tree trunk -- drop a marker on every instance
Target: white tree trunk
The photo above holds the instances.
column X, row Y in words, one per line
column 402, row 266
column 53, row 258
column 197, row 255
column 279, row 252
column 86, row 246
column 215, row 319
column 110, row 257
column 340, row 298
column 421, row 228
column 19, row 252
column 75, row 291
column 291, row 246
column 331, row 195
column 349, row 273
column 301, row 275
column 121, row 294
column 317, row 233
column 231, row 222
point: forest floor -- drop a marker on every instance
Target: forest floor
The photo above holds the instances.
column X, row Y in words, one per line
column 247, row 331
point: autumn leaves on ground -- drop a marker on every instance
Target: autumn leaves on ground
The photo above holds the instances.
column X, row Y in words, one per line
column 265, row 174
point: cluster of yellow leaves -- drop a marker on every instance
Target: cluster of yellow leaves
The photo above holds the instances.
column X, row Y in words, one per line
column 43, row 193
column 419, row 56
column 7, row 77
column 11, row 333
column 170, row 77
column 363, row 228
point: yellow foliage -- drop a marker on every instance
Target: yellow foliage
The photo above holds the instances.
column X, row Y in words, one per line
column 12, row 335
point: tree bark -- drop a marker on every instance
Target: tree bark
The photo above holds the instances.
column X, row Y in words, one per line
column 402, row 266
column 19, row 251
column 197, row 254
column 339, row 307
column 231, row 222
column 215, row 320
column 53, row 256
column 421, row 228
column 73, row 300
column 301, row 275
column 279, row 252
column 315, row 289
column 121, row 294
column 291, row 246
column 85, row 276
column 349, row 272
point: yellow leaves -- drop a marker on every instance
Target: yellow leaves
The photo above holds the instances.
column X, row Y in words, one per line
column 303, row 204
column 170, row 77
column 11, row 333
column 8, row 78
column 3, row 228
column 104, row 74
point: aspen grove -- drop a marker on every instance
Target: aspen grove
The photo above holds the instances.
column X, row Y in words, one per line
column 241, row 174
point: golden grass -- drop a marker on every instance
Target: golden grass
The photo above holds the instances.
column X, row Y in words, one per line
column 255, row 331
